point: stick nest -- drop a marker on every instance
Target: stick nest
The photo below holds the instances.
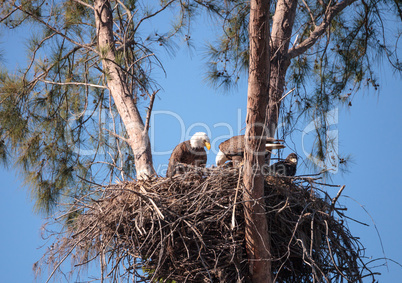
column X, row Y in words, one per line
column 190, row 228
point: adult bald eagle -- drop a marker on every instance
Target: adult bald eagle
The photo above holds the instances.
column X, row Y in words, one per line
column 285, row 167
column 233, row 149
column 189, row 152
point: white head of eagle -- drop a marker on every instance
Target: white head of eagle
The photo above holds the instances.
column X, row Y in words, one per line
column 189, row 152
column 199, row 140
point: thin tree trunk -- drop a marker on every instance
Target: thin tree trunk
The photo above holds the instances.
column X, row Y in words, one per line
column 124, row 100
column 257, row 236
column 282, row 26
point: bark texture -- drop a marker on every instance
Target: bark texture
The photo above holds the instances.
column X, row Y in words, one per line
column 124, row 100
column 269, row 63
column 282, row 25
column 281, row 54
column 257, row 236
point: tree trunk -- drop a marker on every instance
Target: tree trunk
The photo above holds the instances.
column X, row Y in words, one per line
column 124, row 100
column 282, row 26
column 256, row 234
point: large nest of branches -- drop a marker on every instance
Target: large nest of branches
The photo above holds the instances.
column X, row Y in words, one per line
column 191, row 228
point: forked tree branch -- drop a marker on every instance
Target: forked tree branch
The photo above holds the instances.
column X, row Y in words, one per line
column 319, row 30
column 309, row 11
column 52, row 28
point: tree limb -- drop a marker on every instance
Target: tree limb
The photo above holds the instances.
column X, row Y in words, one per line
column 319, row 30
column 153, row 14
column 335, row 199
column 87, row 46
column 398, row 7
column 84, row 4
column 309, row 11
column 8, row 15
column 289, row 92
column 74, row 83
column 151, row 104
column 117, row 136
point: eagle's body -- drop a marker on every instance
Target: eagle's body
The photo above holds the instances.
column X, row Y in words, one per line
column 233, row 149
column 190, row 152
column 285, row 167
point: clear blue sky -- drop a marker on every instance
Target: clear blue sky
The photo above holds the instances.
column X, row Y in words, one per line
column 371, row 131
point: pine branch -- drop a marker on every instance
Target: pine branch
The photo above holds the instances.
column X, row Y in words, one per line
column 8, row 15
column 39, row 77
column 84, row 4
column 283, row 97
column 117, row 136
column 309, row 11
column 74, row 83
column 152, row 15
column 319, row 30
column 33, row 57
column 130, row 16
column 151, row 104
column 87, row 46
column 68, row 253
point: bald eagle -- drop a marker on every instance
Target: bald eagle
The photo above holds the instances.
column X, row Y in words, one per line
column 189, row 152
column 233, row 149
column 285, row 167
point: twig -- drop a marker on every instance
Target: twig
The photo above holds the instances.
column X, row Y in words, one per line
column 335, row 199
column 330, row 253
column 309, row 11
column 149, row 111
column 73, row 83
column 235, row 199
column 84, row 4
column 117, row 136
column 289, row 92
column 153, row 203
column 197, row 238
column 69, row 252
column 319, row 30
column 40, row 20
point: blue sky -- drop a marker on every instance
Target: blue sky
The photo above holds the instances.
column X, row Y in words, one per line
column 370, row 131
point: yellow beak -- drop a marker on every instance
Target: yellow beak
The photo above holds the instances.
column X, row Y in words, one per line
column 208, row 145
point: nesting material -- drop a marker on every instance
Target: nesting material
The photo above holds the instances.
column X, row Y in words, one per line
column 190, row 228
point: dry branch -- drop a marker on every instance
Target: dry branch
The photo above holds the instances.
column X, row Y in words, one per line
column 181, row 229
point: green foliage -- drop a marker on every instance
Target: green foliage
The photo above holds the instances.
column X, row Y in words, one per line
column 74, row 13
column 56, row 115
column 229, row 55
column 58, row 123
column 327, row 75
column 353, row 39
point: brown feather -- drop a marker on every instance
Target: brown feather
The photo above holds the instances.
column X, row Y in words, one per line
column 234, row 147
column 285, row 167
column 184, row 153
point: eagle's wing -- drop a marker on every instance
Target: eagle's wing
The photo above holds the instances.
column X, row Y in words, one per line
column 233, row 146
